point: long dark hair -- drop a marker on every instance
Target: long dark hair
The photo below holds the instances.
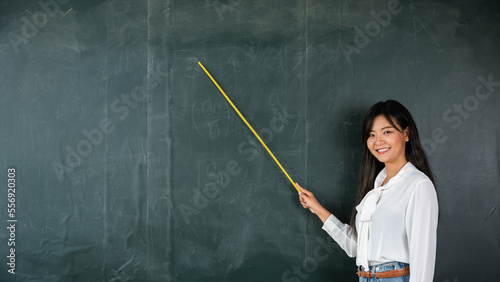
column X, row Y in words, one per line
column 394, row 112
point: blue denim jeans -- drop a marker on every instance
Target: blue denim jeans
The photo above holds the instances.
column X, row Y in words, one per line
column 386, row 267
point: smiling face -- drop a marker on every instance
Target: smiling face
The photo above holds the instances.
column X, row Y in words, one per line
column 387, row 143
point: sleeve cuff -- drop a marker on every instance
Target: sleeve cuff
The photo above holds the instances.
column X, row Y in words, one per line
column 331, row 223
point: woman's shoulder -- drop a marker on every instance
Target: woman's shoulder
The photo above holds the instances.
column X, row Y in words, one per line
column 417, row 178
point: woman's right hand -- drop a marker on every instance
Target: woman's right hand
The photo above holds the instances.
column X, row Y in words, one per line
column 309, row 201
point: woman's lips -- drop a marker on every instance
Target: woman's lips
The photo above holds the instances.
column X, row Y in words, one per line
column 383, row 150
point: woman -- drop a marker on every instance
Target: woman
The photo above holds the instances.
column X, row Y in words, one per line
column 393, row 226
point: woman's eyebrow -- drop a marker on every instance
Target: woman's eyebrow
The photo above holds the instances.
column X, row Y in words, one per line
column 383, row 128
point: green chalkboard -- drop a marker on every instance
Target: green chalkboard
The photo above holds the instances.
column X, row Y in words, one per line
column 129, row 165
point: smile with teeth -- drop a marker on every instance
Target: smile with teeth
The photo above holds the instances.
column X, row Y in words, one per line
column 383, row 150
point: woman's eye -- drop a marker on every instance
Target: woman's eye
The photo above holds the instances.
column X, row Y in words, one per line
column 371, row 135
column 387, row 132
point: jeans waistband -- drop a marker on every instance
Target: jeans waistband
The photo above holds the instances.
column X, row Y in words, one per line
column 388, row 266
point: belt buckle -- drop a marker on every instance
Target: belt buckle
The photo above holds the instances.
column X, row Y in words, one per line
column 359, row 271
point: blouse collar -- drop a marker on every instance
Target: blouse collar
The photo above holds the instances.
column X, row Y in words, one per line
column 383, row 174
column 369, row 202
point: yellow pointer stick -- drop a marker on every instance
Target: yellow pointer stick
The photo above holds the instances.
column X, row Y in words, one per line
column 249, row 126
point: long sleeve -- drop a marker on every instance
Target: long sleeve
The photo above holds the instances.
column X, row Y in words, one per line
column 421, row 228
column 343, row 234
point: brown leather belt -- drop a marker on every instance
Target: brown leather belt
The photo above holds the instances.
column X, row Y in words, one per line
column 385, row 274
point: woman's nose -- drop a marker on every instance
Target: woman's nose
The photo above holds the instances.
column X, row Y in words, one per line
column 379, row 140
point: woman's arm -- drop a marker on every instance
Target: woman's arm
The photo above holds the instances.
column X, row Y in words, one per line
column 342, row 233
column 310, row 202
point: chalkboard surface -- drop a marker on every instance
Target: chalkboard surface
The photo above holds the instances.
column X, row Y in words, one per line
column 125, row 163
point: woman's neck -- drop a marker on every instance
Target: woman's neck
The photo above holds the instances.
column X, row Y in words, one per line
column 391, row 169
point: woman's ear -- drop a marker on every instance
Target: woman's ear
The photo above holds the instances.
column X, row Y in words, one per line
column 406, row 133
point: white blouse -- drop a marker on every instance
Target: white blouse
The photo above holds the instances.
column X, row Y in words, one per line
column 395, row 222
